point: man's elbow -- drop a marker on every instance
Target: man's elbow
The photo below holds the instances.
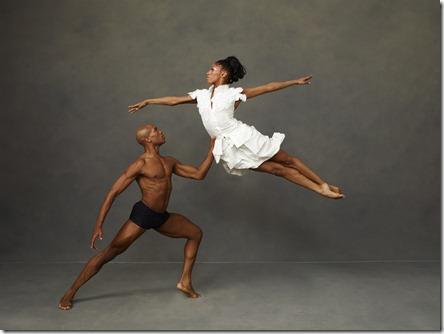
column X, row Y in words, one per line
column 199, row 176
column 113, row 193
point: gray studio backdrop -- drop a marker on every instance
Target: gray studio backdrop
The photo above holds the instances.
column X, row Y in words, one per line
column 369, row 123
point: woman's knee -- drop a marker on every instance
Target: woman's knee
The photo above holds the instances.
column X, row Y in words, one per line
column 289, row 160
column 286, row 159
column 278, row 170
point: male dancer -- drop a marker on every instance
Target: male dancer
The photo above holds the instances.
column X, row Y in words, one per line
column 153, row 175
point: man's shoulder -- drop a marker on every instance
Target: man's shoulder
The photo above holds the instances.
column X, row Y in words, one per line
column 140, row 160
column 169, row 158
column 138, row 163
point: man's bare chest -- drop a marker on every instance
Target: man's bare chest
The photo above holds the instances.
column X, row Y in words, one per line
column 156, row 169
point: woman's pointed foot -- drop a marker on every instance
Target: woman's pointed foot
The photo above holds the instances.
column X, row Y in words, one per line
column 327, row 192
column 335, row 189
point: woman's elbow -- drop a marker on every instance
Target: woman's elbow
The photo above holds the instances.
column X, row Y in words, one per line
column 174, row 102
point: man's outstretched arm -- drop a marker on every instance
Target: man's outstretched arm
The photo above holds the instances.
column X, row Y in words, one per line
column 119, row 185
column 191, row 172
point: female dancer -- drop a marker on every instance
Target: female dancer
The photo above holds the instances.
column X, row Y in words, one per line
column 239, row 146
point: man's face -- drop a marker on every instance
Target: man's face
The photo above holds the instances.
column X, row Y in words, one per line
column 214, row 73
column 156, row 136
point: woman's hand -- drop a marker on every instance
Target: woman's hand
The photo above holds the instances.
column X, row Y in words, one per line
column 97, row 233
column 304, row 80
column 133, row 108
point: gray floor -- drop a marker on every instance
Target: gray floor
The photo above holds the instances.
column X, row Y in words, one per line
column 240, row 296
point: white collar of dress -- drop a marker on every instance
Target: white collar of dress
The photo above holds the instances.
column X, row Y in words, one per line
column 219, row 87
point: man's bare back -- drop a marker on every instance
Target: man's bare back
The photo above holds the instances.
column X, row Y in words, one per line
column 152, row 173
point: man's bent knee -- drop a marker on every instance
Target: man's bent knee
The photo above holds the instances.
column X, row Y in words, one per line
column 111, row 252
column 196, row 235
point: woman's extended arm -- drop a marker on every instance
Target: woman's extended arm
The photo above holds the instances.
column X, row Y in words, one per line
column 273, row 86
column 166, row 100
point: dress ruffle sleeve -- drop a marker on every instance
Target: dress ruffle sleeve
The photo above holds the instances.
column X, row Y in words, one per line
column 194, row 93
column 238, row 95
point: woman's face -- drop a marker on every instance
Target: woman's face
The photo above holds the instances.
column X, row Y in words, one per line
column 216, row 73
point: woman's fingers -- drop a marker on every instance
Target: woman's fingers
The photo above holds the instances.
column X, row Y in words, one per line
column 306, row 79
column 135, row 107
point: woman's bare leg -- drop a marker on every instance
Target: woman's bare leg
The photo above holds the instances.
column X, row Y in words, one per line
column 179, row 226
column 127, row 234
column 286, row 159
column 295, row 176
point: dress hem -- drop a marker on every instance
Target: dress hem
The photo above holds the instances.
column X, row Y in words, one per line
column 240, row 171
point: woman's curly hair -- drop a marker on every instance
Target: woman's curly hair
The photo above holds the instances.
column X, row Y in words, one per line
column 234, row 68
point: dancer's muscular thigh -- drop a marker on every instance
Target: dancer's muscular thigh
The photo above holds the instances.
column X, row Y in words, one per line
column 127, row 234
column 178, row 226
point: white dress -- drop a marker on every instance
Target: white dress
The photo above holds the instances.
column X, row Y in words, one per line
column 238, row 146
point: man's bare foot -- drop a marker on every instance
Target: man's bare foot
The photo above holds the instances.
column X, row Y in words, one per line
column 188, row 290
column 65, row 302
column 325, row 191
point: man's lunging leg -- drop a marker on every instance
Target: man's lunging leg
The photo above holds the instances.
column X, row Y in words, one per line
column 178, row 226
column 127, row 234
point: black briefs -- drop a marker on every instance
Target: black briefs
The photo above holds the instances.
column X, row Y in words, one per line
column 147, row 218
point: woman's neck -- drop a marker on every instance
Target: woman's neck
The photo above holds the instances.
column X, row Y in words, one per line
column 219, row 83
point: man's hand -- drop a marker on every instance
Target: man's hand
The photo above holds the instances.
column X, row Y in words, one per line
column 212, row 141
column 124, row 180
column 304, row 80
column 133, row 108
column 97, row 233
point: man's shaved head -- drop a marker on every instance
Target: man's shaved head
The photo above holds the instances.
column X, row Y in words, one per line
column 154, row 135
column 143, row 132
